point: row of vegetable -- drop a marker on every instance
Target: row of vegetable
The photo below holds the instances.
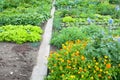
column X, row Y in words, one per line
column 18, row 17
column 86, row 34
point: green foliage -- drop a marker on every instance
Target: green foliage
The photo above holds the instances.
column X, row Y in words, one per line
column 68, row 19
column 20, row 34
column 102, row 45
column 106, row 9
column 67, row 34
column 73, row 33
column 26, row 12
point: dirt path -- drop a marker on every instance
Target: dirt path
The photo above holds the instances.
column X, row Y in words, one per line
column 40, row 70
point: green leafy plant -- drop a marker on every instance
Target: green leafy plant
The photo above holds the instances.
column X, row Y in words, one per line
column 20, row 34
column 67, row 34
column 26, row 12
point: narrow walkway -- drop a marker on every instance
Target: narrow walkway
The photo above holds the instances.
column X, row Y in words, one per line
column 40, row 70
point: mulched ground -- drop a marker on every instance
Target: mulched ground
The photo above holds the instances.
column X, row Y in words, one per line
column 17, row 61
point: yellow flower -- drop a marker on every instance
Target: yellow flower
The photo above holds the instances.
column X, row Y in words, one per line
column 62, row 75
column 118, row 65
column 89, row 66
column 52, row 71
column 82, row 76
column 108, row 65
column 96, row 63
column 72, row 76
column 85, row 70
column 94, row 71
column 92, row 77
column 99, row 75
column 97, row 68
column 106, row 72
column 109, row 77
column 101, row 70
column 68, row 61
column 79, row 72
column 80, row 69
column 82, row 58
column 106, row 57
column 68, row 67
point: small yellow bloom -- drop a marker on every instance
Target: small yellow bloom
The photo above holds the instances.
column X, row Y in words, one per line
column 106, row 57
column 94, row 71
column 92, row 77
column 97, row 68
column 99, row 75
column 68, row 61
column 96, row 63
column 106, row 72
column 72, row 76
column 89, row 66
column 82, row 76
column 109, row 77
column 52, row 71
column 79, row 72
column 118, row 65
column 82, row 58
column 62, row 75
column 101, row 70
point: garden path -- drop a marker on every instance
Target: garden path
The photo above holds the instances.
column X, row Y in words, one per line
column 40, row 69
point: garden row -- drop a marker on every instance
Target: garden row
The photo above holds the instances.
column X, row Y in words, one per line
column 87, row 46
column 19, row 19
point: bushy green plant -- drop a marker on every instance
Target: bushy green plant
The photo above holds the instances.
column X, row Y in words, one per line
column 106, row 8
column 20, row 34
column 70, row 63
column 67, row 34
column 26, row 12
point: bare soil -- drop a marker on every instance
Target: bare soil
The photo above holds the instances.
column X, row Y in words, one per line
column 17, row 61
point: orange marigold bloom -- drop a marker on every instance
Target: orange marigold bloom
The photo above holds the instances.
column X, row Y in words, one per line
column 82, row 57
column 68, row 61
column 109, row 77
column 99, row 75
column 108, row 65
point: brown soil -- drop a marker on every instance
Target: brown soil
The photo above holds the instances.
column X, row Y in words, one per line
column 17, row 61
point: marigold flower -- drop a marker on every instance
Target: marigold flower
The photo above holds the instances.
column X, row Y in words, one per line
column 118, row 65
column 72, row 76
column 89, row 66
column 108, row 65
column 92, row 77
column 101, row 70
column 68, row 67
column 97, row 68
column 94, row 71
column 62, row 75
column 78, row 72
column 82, row 76
column 80, row 69
column 82, row 57
column 99, row 75
column 106, row 72
column 106, row 57
column 68, row 61
column 109, row 77
column 96, row 63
